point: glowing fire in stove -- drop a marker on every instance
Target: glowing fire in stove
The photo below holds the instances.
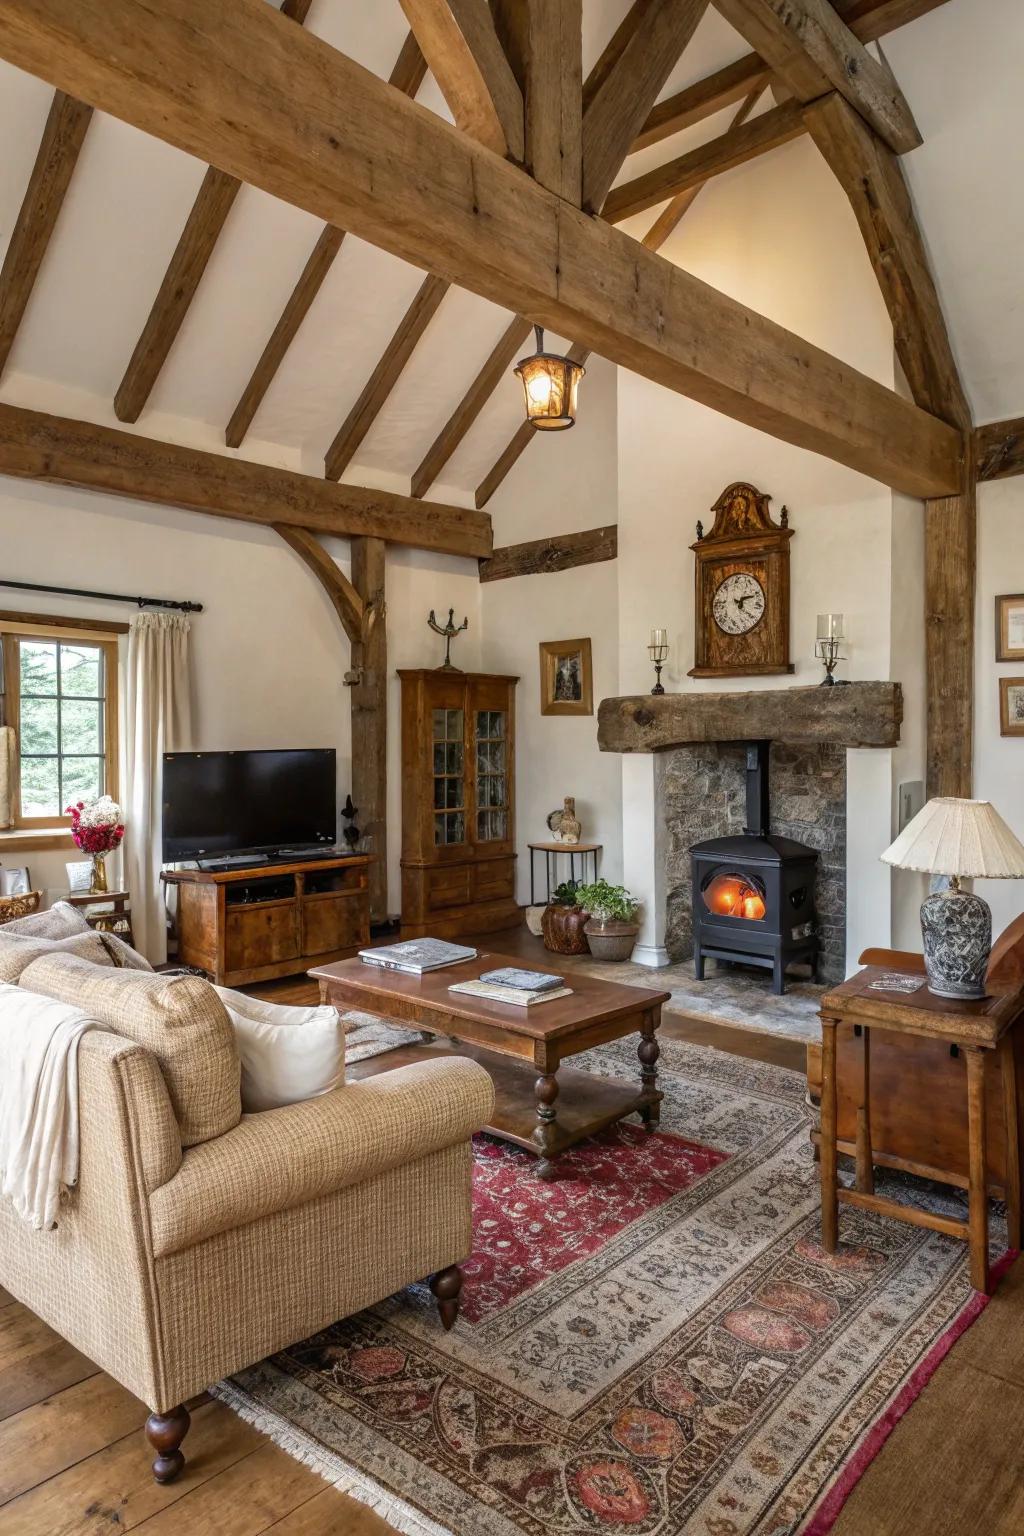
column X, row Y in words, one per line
column 733, row 896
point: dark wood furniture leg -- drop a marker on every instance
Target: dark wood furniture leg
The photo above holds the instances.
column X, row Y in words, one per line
column 648, row 1051
column 977, row 1215
column 865, row 1170
column 446, row 1285
column 1011, row 1118
column 165, row 1432
column 546, row 1092
column 829, row 1203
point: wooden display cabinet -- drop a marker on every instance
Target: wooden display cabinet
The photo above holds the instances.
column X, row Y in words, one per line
column 458, row 803
column 246, row 925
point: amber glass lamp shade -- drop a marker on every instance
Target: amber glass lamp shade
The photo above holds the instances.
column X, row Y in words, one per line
column 550, row 384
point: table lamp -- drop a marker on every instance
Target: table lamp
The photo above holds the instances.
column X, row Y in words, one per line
column 964, row 839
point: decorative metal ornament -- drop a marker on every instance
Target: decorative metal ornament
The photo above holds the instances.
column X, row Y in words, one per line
column 550, row 384
column 448, row 631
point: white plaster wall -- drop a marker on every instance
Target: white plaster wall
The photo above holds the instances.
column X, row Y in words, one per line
column 998, row 760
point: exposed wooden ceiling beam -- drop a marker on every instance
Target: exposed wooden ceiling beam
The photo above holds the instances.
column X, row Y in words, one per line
column 407, row 77
column 288, row 113
column 562, row 552
column 59, row 451
column 779, row 125
column 645, row 50
column 472, row 403
column 868, row 20
column 40, row 208
column 347, row 603
column 683, row 201
column 464, row 54
column 543, row 42
column 813, row 50
column 872, row 178
column 184, row 273
column 999, row 447
column 385, row 376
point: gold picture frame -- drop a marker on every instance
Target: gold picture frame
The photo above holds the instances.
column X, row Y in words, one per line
column 1011, row 706
column 566, row 678
column 1010, row 626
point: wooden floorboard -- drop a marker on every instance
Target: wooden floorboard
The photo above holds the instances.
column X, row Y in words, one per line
column 73, row 1458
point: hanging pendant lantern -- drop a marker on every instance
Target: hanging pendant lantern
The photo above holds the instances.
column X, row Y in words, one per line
column 550, row 384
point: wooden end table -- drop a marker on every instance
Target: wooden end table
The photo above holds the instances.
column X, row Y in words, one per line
column 973, row 1030
column 115, row 915
column 539, row 1104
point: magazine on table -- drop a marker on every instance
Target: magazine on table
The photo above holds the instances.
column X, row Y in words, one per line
column 519, row 996
column 526, row 981
column 415, row 956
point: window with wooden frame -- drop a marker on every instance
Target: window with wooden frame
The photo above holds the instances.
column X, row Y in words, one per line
column 58, row 696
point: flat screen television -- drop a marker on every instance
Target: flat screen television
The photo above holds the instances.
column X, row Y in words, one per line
column 217, row 803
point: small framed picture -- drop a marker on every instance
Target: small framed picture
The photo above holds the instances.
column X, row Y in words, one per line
column 566, row 678
column 1010, row 627
column 1011, row 706
column 79, row 876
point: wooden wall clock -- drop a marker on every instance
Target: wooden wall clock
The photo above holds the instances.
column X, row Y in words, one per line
column 741, row 615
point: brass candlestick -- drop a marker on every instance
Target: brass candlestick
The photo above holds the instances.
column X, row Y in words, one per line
column 449, row 631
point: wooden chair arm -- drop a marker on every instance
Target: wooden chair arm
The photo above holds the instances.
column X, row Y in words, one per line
column 895, row 960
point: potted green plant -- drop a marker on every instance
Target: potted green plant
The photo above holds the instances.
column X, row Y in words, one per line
column 612, row 927
column 564, row 920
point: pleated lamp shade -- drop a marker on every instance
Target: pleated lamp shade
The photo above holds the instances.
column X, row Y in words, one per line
column 968, row 838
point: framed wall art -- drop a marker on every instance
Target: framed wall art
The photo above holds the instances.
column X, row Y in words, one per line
column 1011, row 706
column 1010, row 627
column 566, row 678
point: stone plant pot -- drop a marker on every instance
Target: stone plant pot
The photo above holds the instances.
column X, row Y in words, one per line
column 610, row 938
column 563, row 930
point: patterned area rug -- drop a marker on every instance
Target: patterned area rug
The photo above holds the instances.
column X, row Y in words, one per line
column 654, row 1345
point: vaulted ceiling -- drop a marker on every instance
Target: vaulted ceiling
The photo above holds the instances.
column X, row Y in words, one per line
column 130, row 197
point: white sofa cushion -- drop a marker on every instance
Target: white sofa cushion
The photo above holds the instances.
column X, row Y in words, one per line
column 58, row 922
column 288, row 1054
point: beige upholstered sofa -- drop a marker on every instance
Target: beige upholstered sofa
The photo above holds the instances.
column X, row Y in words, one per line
column 199, row 1239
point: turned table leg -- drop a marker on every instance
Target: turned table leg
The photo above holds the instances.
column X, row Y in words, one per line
column 648, row 1051
column 977, row 1214
column 165, row 1432
column 829, row 1203
column 446, row 1285
column 545, row 1135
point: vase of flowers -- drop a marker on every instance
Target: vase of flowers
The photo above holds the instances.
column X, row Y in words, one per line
column 97, row 827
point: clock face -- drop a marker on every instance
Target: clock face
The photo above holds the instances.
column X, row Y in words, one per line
column 738, row 604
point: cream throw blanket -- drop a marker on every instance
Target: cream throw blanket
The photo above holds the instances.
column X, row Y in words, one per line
column 38, row 1101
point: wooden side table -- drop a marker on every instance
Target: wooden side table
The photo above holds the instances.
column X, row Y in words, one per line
column 971, row 1029
column 115, row 914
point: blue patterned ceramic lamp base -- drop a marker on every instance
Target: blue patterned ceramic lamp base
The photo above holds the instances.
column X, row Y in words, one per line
column 957, row 930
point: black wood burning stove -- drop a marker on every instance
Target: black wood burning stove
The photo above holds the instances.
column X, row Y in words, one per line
column 753, row 895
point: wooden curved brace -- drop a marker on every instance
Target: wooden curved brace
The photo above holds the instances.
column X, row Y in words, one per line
column 348, row 605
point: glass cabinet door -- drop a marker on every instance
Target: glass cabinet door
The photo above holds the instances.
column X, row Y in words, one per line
column 491, row 741
column 449, row 772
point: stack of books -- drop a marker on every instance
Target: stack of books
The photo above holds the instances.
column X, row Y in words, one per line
column 512, row 985
column 415, row 956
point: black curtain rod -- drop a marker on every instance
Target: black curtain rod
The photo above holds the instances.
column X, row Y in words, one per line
column 107, row 597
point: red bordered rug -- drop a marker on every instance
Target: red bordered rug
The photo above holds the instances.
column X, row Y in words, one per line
column 654, row 1345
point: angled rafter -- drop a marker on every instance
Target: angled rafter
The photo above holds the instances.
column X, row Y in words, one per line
column 44, row 197
column 868, row 20
column 407, row 77
column 999, row 447
column 810, row 46
column 543, row 42
column 59, row 451
column 734, row 147
column 285, row 111
column 644, row 50
column 184, row 274
column 464, row 54
column 347, row 603
column 385, row 376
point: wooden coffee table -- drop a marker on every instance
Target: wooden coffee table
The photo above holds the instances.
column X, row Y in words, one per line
column 539, row 1105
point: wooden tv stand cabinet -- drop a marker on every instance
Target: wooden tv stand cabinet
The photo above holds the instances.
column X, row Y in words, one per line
column 270, row 920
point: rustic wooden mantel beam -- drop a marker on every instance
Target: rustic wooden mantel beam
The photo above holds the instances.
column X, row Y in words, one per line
column 561, row 552
column 852, row 715
column 279, row 108
column 59, row 451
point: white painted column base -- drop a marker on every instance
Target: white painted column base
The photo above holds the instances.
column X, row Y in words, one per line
column 653, row 955
column 643, row 864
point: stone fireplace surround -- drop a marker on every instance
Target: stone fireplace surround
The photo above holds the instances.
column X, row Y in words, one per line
column 692, row 788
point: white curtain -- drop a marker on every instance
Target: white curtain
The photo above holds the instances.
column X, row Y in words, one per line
column 8, row 771
column 158, row 720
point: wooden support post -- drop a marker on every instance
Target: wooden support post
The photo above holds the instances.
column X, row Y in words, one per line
column 950, row 560
column 370, row 717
